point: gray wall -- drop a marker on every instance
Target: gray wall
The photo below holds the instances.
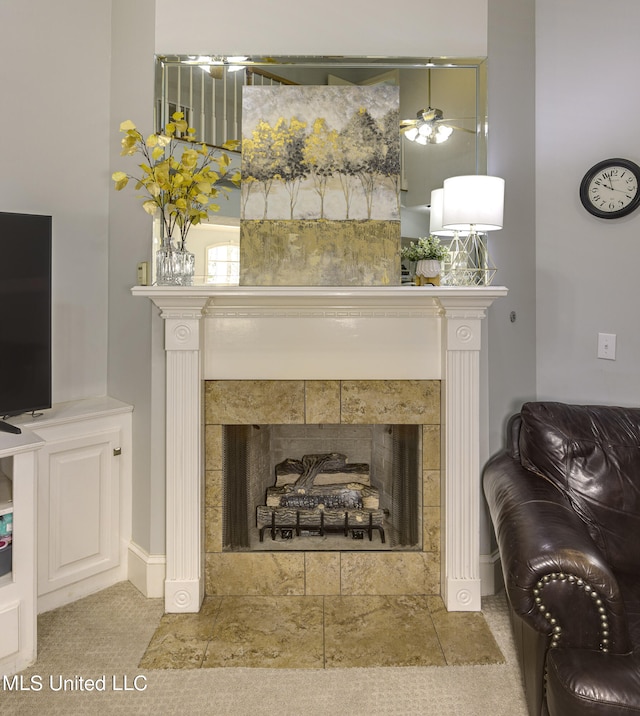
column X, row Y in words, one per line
column 511, row 154
column 511, row 356
column 415, row 29
column 54, row 151
column 587, row 268
column 134, row 327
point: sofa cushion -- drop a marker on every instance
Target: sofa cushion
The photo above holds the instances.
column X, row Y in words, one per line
column 592, row 453
column 589, row 683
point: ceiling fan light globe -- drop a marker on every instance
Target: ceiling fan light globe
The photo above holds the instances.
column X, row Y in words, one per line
column 411, row 134
column 425, row 129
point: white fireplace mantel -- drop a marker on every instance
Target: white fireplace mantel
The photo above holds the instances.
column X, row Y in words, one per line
column 318, row 333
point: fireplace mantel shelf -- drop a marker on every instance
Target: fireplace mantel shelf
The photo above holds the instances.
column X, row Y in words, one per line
column 328, row 294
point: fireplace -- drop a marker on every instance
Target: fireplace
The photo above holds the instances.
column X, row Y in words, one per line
column 334, row 344
column 390, row 433
column 321, row 487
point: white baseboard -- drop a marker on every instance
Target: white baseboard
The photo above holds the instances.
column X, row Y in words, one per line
column 491, row 573
column 147, row 571
column 85, row 586
column 78, row 590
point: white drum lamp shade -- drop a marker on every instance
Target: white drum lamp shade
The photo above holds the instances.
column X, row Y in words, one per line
column 474, row 202
column 435, row 217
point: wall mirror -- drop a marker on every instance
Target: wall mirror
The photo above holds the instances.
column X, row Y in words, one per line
column 434, row 93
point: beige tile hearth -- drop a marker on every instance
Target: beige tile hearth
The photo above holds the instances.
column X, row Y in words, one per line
column 268, row 632
column 458, row 630
column 180, row 641
column 380, row 631
column 305, row 632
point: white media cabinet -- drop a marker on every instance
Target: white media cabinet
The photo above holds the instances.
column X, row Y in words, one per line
column 70, row 472
column 18, row 464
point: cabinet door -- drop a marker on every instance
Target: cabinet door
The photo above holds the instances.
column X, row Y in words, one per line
column 78, row 509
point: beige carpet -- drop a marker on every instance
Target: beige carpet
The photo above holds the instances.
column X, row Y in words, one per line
column 106, row 635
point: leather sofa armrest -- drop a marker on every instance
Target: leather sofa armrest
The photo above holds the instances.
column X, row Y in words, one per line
column 555, row 577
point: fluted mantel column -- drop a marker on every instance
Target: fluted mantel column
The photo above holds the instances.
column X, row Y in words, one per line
column 184, row 580
column 461, row 343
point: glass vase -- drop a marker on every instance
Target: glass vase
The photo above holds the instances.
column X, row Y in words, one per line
column 175, row 266
column 166, row 265
column 185, row 265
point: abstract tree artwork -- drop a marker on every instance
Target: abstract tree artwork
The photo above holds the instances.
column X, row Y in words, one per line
column 320, row 186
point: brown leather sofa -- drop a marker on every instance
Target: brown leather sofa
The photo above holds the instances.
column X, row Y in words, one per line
column 564, row 499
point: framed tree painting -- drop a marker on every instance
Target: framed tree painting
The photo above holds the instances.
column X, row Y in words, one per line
column 320, row 186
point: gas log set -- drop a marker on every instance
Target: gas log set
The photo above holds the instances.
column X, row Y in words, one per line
column 321, row 494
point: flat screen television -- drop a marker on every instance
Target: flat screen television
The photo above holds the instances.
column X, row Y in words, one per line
column 25, row 315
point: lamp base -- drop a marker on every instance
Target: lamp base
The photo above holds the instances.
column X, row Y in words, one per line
column 469, row 262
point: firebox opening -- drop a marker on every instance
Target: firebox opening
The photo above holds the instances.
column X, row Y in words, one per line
column 322, row 487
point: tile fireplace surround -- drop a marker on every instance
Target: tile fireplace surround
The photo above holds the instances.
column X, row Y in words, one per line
column 405, row 333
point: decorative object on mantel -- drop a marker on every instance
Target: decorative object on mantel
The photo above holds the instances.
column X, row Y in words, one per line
column 180, row 179
column 321, row 186
column 472, row 204
column 428, row 255
column 451, row 267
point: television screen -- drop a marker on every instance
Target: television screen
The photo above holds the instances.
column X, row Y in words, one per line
column 25, row 313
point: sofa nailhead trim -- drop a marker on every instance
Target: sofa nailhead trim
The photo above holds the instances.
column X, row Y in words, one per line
column 556, row 629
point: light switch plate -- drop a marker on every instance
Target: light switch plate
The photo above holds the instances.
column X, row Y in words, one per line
column 143, row 273
column 607, row 346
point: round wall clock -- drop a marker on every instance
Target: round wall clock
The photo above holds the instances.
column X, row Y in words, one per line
column 610, row 189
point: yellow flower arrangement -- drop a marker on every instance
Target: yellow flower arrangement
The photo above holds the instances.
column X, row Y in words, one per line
column 181, row 186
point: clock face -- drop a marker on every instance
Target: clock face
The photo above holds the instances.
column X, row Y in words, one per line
column 610, row 189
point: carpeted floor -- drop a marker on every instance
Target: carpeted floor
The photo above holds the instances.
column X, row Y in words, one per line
column 105, row 636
